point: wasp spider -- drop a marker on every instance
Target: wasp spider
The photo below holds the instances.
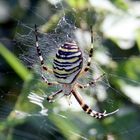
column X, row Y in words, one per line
column 67, row 67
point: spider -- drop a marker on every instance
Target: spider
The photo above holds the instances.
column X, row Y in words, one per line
column 67, row 67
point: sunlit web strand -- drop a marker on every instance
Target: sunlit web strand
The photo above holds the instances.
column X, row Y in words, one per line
column 125, row 78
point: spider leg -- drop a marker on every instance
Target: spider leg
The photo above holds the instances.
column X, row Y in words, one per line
column 47, row 82
column 92, row 83
column 44, row 67
column 86, row 68
column 88, row 110
column 53, row 95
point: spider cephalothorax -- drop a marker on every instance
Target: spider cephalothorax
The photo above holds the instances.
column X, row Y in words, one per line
column 67, row 67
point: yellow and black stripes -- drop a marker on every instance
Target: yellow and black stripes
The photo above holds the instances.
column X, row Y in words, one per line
column 67, row 63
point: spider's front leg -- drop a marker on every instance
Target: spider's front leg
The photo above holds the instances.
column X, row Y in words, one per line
column 47, row 82
column 53, row 95
column 39, row 99
column 43, row 66
column 86, row 68
column 88, row 110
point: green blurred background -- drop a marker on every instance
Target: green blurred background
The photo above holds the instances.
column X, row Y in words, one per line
column 117, row 22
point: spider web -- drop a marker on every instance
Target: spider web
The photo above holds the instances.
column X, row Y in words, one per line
column 40, row 113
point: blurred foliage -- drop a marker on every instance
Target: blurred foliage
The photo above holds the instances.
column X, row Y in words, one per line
column 118, row 24
column 13, row 62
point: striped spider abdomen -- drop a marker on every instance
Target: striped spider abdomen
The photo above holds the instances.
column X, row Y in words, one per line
column 67, row 63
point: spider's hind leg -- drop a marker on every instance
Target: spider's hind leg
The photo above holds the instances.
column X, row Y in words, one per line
column 88, row 110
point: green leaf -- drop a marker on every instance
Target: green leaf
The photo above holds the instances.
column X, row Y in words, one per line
column 79, row 4
column 121, row 4
column 65, row 126
column 17, row 66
